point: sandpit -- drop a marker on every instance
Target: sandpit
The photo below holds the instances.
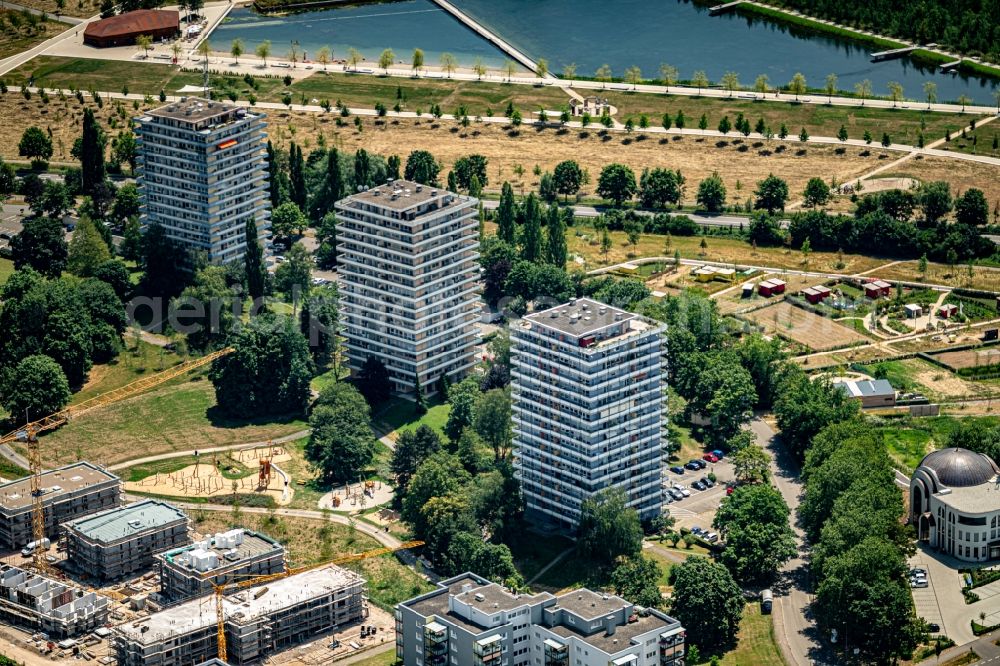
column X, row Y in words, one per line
column 205, row 479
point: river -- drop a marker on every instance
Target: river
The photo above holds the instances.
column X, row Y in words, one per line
column 589, row 33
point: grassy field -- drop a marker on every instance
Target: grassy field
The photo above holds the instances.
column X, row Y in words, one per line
column 6, row 270
column 903, row 125
column 976, row 142
column 757, row 646
column 89, row 74
column 400, row 414
column 313, row 541
column 907, row 447
column 134, row 362
column 16, row 41
column 387, row 658
column 178, row 417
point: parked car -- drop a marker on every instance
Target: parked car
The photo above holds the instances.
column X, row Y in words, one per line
column 707, row 481
column 698, row 485
column 693, row 466
column 933, row 627
column 710, row 457
column 718, row 453
column 682, row 490
column 667, row 497
column 915, row 582
column 701, row 464
column 697, row 531
column 710, row 537
column 677, row 469
column 29, row 550
column 677, row 495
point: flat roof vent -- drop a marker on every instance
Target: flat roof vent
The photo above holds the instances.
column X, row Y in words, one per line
column 479, row 597
column 554, row 314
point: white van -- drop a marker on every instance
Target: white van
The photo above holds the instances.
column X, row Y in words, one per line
column 29, row 550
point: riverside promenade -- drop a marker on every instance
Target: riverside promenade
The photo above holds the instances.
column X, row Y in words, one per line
column 489, row 36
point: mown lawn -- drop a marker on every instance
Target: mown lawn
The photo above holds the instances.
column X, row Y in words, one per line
column 175, row 417
column 400, row 414
column 139, row 359
column 907, row 447
column 88, row 74
column 6, row 270
column 756, row 646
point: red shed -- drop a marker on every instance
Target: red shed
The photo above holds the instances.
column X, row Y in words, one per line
column 947, row 310
column 122, row 30
column 824, row 292
column 812, row 295
column 778, row 286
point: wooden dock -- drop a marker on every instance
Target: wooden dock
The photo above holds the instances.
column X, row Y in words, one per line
column 891, row 54
column 721, row 9
column 948, row 66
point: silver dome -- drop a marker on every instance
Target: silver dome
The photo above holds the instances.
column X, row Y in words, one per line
column 960, row 468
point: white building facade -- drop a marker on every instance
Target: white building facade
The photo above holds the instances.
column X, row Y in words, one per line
column 955, row 504
column 408, row 256
column 203, row 174
column 589, row 396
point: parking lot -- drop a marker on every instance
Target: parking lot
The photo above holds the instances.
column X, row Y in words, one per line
column 698, row 509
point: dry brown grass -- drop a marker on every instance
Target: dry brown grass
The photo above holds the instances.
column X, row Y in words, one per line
column 804, row 327
column 969, row 358
column 983, row 277
column 80, row 8
column 961, row 174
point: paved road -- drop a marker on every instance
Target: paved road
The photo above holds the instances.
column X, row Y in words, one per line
column 794, row 630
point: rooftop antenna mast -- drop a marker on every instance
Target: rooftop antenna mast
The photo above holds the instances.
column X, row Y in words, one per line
column 204, row 75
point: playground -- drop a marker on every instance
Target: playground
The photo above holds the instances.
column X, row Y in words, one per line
column 211, row 477
column 355, row 498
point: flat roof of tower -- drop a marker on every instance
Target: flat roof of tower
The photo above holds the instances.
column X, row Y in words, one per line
column 114, row 524
column 16, row 495
column 581, row 316
column 402, row 195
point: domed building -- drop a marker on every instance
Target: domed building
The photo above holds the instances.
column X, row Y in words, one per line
column 955, row 504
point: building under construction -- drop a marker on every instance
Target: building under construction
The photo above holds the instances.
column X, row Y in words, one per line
column 259, row 621
column 120, row 542
column 227, row 557
column 69, row 492
column 42, row 604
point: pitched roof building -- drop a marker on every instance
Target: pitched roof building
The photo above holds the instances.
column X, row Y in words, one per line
column 122, row 30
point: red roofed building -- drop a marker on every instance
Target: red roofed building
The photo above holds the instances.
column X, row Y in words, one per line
column 123, row 29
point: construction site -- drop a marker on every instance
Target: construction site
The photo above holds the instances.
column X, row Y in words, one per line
column 227, row 557
column 118, row 543
column 257, row 621
column 66, row 493
column 41, row 604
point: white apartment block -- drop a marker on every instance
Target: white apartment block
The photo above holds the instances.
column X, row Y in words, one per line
column 469, row 621
column 409, row 271
column 589, row 395
column 203, row 174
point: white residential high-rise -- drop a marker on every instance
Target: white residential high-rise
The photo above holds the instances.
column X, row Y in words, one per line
column 409, row 271
column 203, row 174
column 589, row 394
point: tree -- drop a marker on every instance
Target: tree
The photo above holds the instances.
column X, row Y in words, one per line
column 373, row 381
column 292, row 277
column 867, row 136
column 831, row 87
column 205, row 48
column 326, row 236
column 263, row 51
column 91, row 153
column 863, row 89
column 448, row 63
column 54, row 200
column 385, row 60
column 797, row 86
column 603, row 74
column 40, row 245
column 971, row 208
column 817, row 193
column 751, row 464
column 608, row 528
column 531, row 230
column 668, row 74
column 568, row 177
column 236, row 50
column 638, row 580
column 803, row 135
column 759, row 539
column 842, row 133
column 124, row 150
column 616, row 182
column 556, row 252
column 707, row 601
column 492, row 422
column 422, row 168
column 286, row 219
column 886, row 141
column 253, row 261
column 319, row 322
column 417, row 61
column 87, row 250
column 323, row 56
column 803, row 408
column 699, row 80
column 267, row 373
column 895, row 91
column 725, row 125
column 8, row 180
column 930, row 92
column 506, row 230
column 341, row 443
column 633, row 75
column 116, row 274
column 659, row 187
column 761, row 83
column 541, row 68
column 712, row 193
column 935, row 200
column 35, row 387
column 764, row 230
column 721, row 390
column 35, row 144
column 771, row 194
column 436, row 476
column 463, row 397
column 469, row 167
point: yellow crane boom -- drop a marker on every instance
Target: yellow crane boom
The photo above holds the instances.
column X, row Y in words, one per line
column 29, row 436
column 256, row 580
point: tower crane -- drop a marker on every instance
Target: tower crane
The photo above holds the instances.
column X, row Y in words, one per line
column 220, row 590
column 28, row 435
